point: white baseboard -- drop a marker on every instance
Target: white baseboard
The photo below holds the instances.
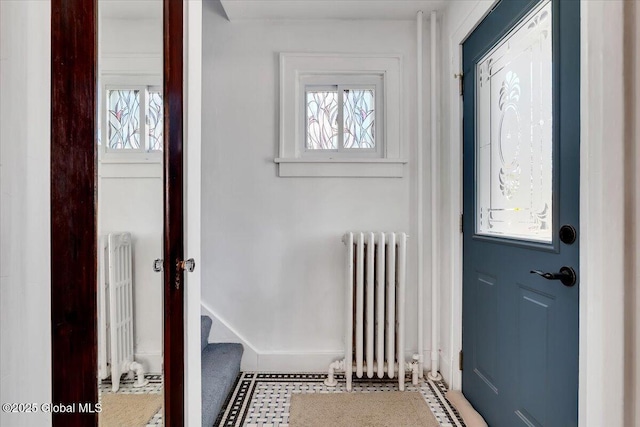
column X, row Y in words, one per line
column 445, row 368
column 292, row 361
column 256, row 360
column 303, row 361
column 221, row 331
column 288, row 361
column 426, row 362
column 445, row 365
column 152, row 362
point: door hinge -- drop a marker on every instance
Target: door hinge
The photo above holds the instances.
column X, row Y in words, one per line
column 460, row 360
column 461, row 223
column 460, row 82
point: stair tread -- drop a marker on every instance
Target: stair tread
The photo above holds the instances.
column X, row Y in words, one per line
column 220, row 368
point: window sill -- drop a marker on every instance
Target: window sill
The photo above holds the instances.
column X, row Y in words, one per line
column 342, row 167
column 131, row 157
column 130, row 170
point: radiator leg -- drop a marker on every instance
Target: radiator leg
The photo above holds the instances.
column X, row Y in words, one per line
column 139, row 370
column 415, row 371
column 115, row 377
column 414, row 367
column 331, row 380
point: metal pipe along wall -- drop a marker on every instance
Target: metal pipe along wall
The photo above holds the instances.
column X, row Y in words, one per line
column 420, row 113
column 435, row 285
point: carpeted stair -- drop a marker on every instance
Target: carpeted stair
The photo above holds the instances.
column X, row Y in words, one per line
column 220, row 368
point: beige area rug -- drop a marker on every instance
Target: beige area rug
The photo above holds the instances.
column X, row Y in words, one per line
column 128, row 410
column 381, row 409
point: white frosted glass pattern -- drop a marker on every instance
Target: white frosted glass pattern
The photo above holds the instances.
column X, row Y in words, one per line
column 322, row 120
column 514, row 134
column 359, row 118
column 123, row 118
column 155, row 121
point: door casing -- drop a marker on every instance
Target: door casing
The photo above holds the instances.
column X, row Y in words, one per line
column 73, row 207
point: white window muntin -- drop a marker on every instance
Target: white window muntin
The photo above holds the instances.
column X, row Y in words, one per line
column 340, row 83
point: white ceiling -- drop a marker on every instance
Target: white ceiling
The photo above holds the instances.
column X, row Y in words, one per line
column 328, row 9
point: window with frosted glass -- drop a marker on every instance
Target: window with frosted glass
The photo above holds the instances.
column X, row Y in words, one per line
column 123, row 118
column 340, row 119
column 155, row 121
column 322, row 120
column 134, row 119
column 359, row 119
column 514, row 133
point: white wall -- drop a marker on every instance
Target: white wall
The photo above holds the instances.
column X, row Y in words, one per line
column 273, row 262
column 135, row 205
column 25, row 314
column 130, row 194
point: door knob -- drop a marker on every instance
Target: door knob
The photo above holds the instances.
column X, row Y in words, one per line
column 566, row 275
column 158, row 265
column 188, row 265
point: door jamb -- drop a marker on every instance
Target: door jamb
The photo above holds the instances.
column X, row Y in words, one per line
column 173, row 237
column 602, row 332
column 472, row 20
column 192, row 228
column 603, row 222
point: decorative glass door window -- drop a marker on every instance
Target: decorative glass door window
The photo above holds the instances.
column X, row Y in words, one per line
column 134, row 119
column 514, row 141
column 340, row 119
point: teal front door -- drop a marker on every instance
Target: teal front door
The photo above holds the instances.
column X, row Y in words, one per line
column 521, row 284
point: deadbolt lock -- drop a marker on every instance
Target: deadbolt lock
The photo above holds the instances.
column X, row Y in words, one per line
column 568, row 234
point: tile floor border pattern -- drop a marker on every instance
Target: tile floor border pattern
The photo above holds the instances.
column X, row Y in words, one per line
column 261, row 399
column 155, row 386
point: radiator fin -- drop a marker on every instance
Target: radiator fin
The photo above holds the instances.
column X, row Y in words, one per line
column 376, row 283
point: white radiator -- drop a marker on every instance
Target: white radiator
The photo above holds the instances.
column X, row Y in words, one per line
column 375, row 309
column 103, row 309
column 115, row 310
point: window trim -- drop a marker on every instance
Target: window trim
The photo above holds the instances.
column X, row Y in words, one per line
column 145, row 84
column 338, row 69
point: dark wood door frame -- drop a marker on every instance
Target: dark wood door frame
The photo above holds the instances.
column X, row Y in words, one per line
column 173, row 215
column 74, row 209
column 74, row 356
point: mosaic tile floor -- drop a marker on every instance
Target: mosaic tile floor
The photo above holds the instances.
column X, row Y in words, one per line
column 263, row 399
column 155, row 386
